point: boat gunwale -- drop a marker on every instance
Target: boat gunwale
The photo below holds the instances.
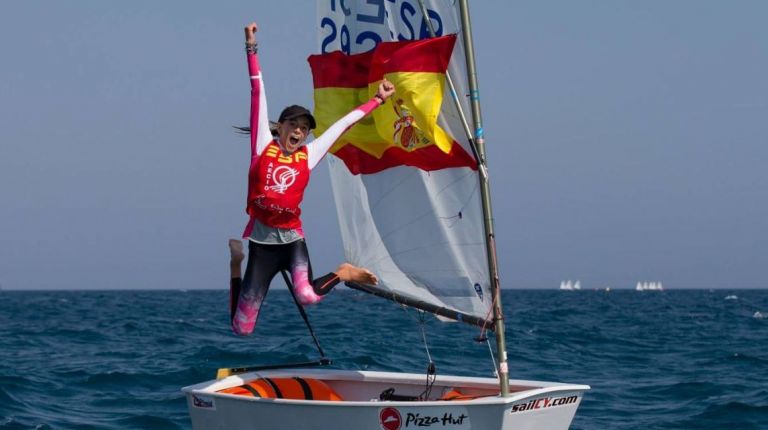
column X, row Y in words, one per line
column 537, row 388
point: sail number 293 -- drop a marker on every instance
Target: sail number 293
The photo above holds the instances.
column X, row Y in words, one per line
column 371, row 24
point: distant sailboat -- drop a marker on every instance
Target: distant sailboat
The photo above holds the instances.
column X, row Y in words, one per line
column 570, row 286
column 649, row 286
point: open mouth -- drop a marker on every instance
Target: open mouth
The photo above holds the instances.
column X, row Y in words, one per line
column 293, row 140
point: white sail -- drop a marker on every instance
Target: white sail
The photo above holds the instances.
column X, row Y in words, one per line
column 649, row 286
column 420, row 232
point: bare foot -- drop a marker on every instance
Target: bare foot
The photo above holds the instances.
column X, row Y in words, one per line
column 350, row 273
column 236, row 254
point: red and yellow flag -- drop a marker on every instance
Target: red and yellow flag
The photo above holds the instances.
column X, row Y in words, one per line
column 404, row 131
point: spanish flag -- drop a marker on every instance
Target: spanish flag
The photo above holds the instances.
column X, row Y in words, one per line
column 404, row 131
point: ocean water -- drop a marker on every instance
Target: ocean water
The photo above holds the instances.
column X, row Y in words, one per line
column 117, row 359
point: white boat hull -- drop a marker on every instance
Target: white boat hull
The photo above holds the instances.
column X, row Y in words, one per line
column 531, row 405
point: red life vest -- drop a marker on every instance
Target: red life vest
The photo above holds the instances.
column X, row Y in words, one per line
column 276, row 185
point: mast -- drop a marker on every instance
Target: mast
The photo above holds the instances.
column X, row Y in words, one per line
column 485, row 193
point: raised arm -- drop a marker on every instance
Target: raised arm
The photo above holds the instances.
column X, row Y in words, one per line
column 317, row 149
column 259, row 121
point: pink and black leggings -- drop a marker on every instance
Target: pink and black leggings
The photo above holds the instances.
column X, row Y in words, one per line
column 264, row 262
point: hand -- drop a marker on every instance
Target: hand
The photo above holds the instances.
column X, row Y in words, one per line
column 385, row 91
column 250, row 33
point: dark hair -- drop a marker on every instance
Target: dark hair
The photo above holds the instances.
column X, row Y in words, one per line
column 247, row 130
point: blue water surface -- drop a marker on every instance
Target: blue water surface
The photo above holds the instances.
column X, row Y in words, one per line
column 690, row 359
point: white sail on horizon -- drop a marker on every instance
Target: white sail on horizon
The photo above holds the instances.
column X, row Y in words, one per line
column 649, row 286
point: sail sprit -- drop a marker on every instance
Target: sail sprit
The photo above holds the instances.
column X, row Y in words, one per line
column 422, row 305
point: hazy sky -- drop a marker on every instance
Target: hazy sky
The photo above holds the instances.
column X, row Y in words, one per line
column 628, row 140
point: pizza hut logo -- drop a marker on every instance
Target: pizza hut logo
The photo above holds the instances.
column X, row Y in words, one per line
column 389, row 418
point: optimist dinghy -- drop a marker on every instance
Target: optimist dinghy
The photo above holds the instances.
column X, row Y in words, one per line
column 413, row 202
column 339, row 399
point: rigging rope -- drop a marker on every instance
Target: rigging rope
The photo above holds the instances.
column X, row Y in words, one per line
column 493, row 359
column 289, row 284
column 431, row 370
column 482, row 337
column 422, row 320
